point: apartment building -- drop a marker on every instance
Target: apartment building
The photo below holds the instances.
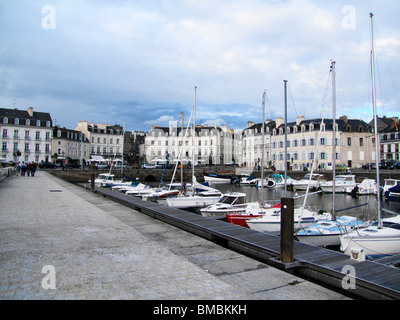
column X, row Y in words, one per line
column 25, row 135
column 214, row 145
column 251, row 154
column 105, row 140
column 390, row 138
column 309, row 140
column 70, row 145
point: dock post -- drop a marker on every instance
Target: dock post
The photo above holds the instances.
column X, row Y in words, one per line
column 92, row 181
column 287, row 229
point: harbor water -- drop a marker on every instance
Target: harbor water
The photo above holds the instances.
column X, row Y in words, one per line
column 363, row 207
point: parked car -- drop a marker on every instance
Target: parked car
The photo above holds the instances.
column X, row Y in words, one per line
column 369, row 166
column 386, row 164
column 342, row 168
column 101, row 165
column 44, row 164
column 395, row 166
column 147, row 166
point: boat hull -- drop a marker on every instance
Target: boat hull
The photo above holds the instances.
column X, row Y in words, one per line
column 191, row 202
column 373, row 247
column 240, row 219
column 320, row 240
column 338, row 189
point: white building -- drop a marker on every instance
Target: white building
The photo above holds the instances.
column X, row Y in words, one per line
column 313, row 139
column 252, row 143
column 214, row 145
column 105, row 140
column 27, row 132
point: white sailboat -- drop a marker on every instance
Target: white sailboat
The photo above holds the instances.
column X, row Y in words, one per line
column 340, row 184
column 276, row 181
column 269, row 219
column 311, row 181
column 365, row 187
column 379, row 239
column 328, row 232
column 200, row 195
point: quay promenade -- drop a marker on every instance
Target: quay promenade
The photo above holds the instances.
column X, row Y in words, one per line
column 61, row 242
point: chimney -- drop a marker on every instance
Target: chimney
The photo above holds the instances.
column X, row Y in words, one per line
column 278, row 121
column 344, row 119
column 299, row 119
column 30, row 111
column 250, row 123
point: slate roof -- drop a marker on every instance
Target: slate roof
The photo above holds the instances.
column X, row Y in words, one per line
column 12, row 114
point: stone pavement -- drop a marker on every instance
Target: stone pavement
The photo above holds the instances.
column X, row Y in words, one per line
column 59, row 241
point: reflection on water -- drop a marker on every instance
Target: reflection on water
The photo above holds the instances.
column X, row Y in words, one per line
column 320, row 201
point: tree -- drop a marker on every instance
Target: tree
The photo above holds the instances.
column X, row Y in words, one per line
column 17, row 154
column 54, row 157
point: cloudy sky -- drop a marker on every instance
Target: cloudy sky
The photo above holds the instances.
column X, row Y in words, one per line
column 138, row 61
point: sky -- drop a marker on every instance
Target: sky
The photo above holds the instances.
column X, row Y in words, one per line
column 136, row 63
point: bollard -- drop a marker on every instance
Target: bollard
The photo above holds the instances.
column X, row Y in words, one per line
column 287, row 229
column 92, row 181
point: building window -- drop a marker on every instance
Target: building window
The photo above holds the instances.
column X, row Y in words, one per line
column 37, row 137
column 4, row 133
column 4, row 146
column 361, row 142
column 5, row 120
column 16, row 121
column 16, row 134
column 26, row 147
column 26, row 134
column 349, row 141
column 322, row 141
column 37, row 147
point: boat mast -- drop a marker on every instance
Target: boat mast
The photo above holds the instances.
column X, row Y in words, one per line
column 182, row 146
column 334, row 139
column 285, row 90
column 194, row 137
column 375, row 123
column 262, row 149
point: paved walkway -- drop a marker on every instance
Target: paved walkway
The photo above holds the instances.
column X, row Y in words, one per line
column 55, row 234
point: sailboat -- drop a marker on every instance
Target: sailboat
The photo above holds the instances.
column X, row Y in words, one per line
column 254, row 209
column 379, row 239
column 269, row 219
column 200, row 195
column 327, row 233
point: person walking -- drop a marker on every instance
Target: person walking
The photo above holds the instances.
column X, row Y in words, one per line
column 18, row 168
column 28, row 169
column 33, row 169
column 23, row 169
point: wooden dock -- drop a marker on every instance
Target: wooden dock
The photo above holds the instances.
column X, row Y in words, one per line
column 366, row 279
